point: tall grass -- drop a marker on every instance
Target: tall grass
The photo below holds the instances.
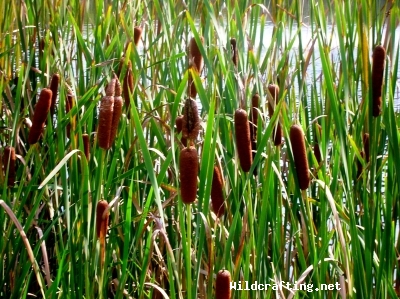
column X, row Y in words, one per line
column 342, row 229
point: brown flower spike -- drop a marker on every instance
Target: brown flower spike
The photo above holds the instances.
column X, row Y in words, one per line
column 188, row 169
column 217, row 196
column 378, row 66
column 243, row 142
column 9, row 160
column 191, row 120
column 300, row 156
column 40, row 115
column 223, row 285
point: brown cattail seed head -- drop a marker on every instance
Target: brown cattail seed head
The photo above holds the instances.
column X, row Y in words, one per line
column 366, row 146
column 277, row 133
column 243, row 142
column 217, row 196
column 106, row 116
column 223, row 285
column 86, row 145
column 128, row 84
column 117, row 111
column 300, row 156
column 9, row 160
column 359, row 165
column 191, row 120
column 137, row 34
column 234, row 51
column 102, row 219
column 378, row 66
column 179, row 125
column 195, row 56
column 68, row 106
column 188, row 169
column 40, row 115
column 55, row 81
column 317, row 153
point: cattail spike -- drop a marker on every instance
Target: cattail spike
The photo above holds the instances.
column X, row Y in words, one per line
column 366, row 146
column 300, row 156
column 191, row 120
column 9, row 160
column 217, row 196
column 40, row 115
column 223, row 285
column 243, row 142
column 179, row 126
column 117, row 111
column 234, row 52
column 378, row 66
column 128, row 84
column 196, row 64
column 106, row 116
column 55, row 81
column 137, row 34
column 188, row 168
column 68, row 106
column 86, row 145
column 102, row 216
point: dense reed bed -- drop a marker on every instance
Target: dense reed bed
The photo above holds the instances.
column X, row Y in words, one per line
column 143, row 149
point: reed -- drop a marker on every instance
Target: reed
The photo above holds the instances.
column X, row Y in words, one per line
column 188, row 169
column 42, row 109
column 55, row 81
column 273, row 99
column 378, row 66
column 223, row 285
column 191, row 120
column 217, row 196
column 9, row 160
column 300, row 156
column 243, row 142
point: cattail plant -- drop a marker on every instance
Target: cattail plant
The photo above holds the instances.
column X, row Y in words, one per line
column 234, row 52
column 217, row 196
column 196, row 64
column 117, row 110
column 110, row 113
column 102, row 215
column 128, row 84
column 243, row 142
column 366, row 146
column 300, row 156
column 223, row 285
column 316, row 149
column 86, row 145
column 378, row 66
column 9, row 160
column 359, row 164
column 188, row 169
column 179, row 126
column 137, row 34
column 68, row 106
column 274, row 92
column 42, row 109
column 191, row 120
column 55, row 81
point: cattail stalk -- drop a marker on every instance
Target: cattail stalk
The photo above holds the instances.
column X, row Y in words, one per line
column 40, row 115
column 272, row 102
column 55, row 81
column 378, row 66
column 117, row 111
column 243, row 142
column 366, row 146
column 188, row 169
column 69, row 104
column 300, row 156
column 223, row 285
column 217, row 196
column 318, row 136
column 191, row 120
column 128, row 84
column 9, row 160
